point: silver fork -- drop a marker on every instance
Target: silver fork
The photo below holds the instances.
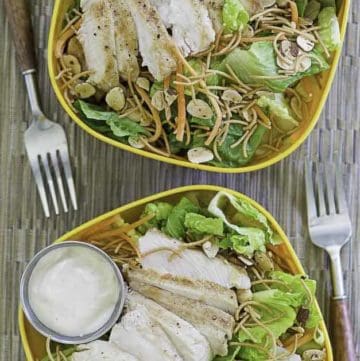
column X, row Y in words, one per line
column 45, row 141
column 330, row 228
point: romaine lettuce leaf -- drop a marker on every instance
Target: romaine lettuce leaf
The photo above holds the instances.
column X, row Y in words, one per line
column 175, row 226
column 246, row 220
column 295, row 286
column 258, row 63
column 301, row 5
column 276, row 106
column 125, row 127
column 244, row 244
column 161, row 211
column 330, row 29
column 234, row 15
column 199, row 224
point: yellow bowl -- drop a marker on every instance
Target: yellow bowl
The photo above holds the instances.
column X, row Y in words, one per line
column 34, row 343
column 319, row 89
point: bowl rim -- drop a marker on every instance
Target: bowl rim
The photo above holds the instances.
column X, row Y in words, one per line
column 343, row 15
column 175, row 191
column 48, row 332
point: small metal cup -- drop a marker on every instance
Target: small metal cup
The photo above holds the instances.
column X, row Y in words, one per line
column 43, row 329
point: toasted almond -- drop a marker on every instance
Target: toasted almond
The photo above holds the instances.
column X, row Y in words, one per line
column 115, row 98
column 158, row 100
column 289, row 49
column 313, row 355
column 200, row 109
column 200, row 155
column 136, row 142
column 170, row 96
column 211, row 249
column 285, row 64
column 232, row 96
column 268, row 3
column 305, row 43
column 84, row 90
column 71, row 62
column 304, row 63
column 143, row 83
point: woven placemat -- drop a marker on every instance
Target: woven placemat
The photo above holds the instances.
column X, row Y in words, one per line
column 107, row 177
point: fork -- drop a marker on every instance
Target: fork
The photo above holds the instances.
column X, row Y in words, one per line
column 45, row 141
column 330, row 228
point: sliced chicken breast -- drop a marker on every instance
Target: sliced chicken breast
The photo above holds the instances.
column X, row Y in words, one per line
column 155, row 44
column 189, row 342
column 101, row 351
column 96, row 35
column 163, row 7
column 126, row 43
column 191, row 263
column 201, row 290
column 141, row 337
column 216, row 325
column 191, row 25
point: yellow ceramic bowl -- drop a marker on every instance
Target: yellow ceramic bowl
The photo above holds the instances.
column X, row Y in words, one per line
column 34, row 343
column 319, row 89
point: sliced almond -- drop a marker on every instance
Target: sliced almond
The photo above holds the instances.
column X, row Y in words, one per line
column 268, row 3
column 211, row 249
column 305, row 43
column 143, row 83
column 199, row 109
column 71, row 62
column 285, row 64
column 136, row 142
column 200, row 155
column 170, row 96
column 232, row 96
column 84, row 90
column 158, row 100
column 289, row 49
column 304, row 63
column 115, row 98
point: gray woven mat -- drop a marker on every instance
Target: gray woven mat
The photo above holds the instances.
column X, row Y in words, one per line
column 107, row 177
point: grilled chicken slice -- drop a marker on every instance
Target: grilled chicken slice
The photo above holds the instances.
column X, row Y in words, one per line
column 191, row 263
column 190, row 344
column 216, row 325
column 155, row 44
column 205, row 291
column 189, row 20
column 126, row 43
column 101, row 351
column 163, row 7
column 96, row 36
column 141, row 337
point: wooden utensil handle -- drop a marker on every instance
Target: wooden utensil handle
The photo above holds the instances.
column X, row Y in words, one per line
column 342, row 338
column 20, row 24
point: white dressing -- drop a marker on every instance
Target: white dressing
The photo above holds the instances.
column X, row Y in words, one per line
column 73, row 290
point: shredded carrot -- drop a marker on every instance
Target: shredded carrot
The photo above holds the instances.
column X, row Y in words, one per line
column 128, row 227
column 154, row 113
column 64, row 37
column 181, row 117
column 167, row 81
column 294, row 12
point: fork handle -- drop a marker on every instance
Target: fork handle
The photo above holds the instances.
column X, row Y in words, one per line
column 342, row 337
column 21, row 28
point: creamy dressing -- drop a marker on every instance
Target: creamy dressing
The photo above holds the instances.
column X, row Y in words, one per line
column 73, row 290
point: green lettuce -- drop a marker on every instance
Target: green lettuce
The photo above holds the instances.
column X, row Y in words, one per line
column 199, row 224
column 161, row 211
column 108, row 121
column 330, row 29
column 294, row 284
column 301, row 5
column 234, row 15
column 244, row 244
column 278, row 313
column 175, row 224
column 312, row 10
column 276, row 106
column 259, row 61
column 244, row 215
